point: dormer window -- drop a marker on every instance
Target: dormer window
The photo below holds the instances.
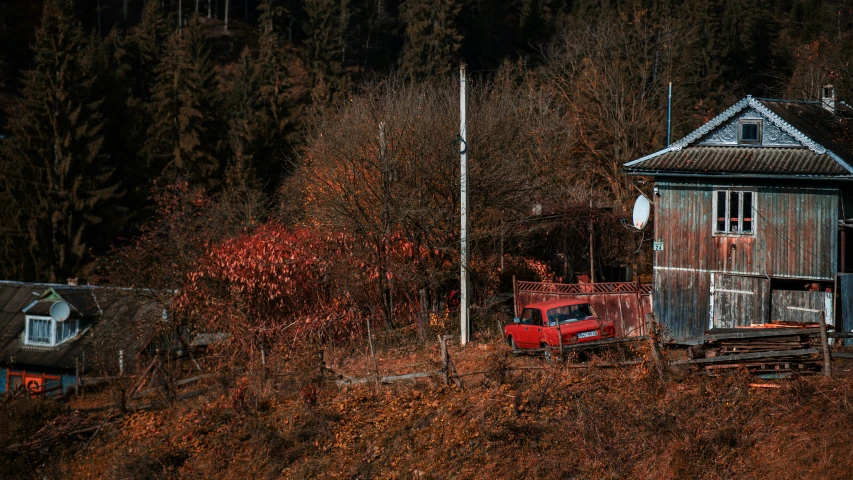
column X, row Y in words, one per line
column 749, row 132
column 47, row 332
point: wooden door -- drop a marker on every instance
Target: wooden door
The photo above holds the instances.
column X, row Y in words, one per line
column 801, row 306
column 738, row 300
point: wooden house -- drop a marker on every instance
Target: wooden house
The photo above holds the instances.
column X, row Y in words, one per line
column 105, row 331
column 752, row 218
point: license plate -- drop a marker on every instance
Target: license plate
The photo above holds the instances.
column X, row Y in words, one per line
column 593, row 333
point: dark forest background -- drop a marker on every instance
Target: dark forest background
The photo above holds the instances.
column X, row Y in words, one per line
column 102, row 102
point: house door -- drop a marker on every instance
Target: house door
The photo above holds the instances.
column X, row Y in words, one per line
column 738, row 301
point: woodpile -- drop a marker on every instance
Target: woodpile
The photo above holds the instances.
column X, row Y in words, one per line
column 770, row 350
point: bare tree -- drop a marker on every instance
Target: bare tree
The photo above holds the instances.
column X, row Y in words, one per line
column 385, row 169
column 612, row 76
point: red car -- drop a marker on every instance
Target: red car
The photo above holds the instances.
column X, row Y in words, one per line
column 538, row 325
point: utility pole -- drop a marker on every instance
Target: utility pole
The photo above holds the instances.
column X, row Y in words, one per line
column 463, row 203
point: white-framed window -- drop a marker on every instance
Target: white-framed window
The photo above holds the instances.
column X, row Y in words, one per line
column 734, row 212
column 45, row 331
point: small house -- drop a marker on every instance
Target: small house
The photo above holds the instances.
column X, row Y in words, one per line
column 752, row 218
column 105, row 330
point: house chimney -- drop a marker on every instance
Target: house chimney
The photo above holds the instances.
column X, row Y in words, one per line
column 827, row 98
column 71, row 281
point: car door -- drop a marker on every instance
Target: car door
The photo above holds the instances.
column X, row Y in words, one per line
column 535, row 334
column 520, row 331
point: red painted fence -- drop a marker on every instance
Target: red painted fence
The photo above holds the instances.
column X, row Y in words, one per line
column 623, row 303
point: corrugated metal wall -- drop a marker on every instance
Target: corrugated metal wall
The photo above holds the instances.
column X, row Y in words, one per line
column 795, row 238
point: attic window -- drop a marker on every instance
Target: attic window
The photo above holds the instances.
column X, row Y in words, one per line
column 749, row 132
column 45, row 331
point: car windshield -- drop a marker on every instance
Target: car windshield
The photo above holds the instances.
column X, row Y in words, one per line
column 569, row 313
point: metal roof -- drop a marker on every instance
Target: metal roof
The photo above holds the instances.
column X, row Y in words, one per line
column 119, row 311
column 744, row 160
column 834, row 131
column 826, row 140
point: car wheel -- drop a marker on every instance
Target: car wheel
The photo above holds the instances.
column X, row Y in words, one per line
column 512, row 343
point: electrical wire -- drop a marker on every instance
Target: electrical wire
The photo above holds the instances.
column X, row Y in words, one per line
column 790, row 241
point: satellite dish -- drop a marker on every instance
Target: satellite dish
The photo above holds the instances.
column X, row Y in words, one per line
column 60, row 311
column 642, row 208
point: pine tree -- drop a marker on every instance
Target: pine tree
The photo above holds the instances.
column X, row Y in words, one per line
column 325, row 49
column 432, row 38
column 533, row 25
column 131, row 60
column 149, row 41
column 63, row 181
column 246, row 118
column 183, row 139
column 265, row 96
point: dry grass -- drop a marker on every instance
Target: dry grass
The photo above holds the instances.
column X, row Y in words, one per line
column 546, row 423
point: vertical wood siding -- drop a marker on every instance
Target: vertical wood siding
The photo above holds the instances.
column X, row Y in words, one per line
column 740, row 300
column 845, row 303
column 795, row 238
column 782, row 299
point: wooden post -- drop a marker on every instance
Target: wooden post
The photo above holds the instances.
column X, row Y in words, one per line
column 559, row 337
column 654, row 334
column 372, row 352
column 442, row 344
column 824, row 343
column 591, row 248
column 76, row 376
column 424, row 316
column 515, row 295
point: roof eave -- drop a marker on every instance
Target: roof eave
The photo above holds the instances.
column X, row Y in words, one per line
column 669, row 173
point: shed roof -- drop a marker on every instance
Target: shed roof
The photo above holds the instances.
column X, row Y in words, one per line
column 822, row 145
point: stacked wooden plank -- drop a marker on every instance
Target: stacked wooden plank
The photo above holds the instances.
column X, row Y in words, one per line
column 778, row 351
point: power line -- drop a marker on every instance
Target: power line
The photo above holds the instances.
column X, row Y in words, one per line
column 790, row 241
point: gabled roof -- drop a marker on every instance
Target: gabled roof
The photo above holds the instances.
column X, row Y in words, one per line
column 810, row 142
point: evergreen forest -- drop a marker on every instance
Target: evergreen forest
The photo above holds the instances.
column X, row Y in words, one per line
column 273, row 107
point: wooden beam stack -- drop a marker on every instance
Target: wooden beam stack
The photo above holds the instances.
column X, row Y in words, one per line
column 769, row 352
